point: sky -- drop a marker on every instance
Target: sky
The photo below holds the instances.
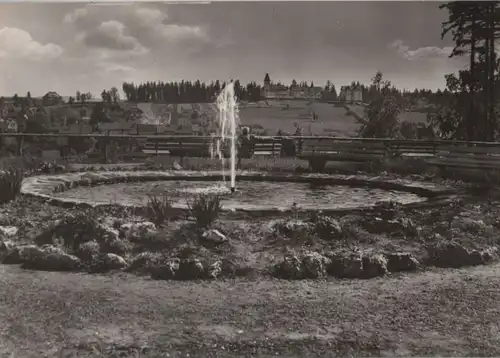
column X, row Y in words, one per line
column 65, row 47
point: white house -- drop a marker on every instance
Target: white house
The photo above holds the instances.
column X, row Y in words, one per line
column 351, row 94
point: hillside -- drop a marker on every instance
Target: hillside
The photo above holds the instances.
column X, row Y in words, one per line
column 265, row 116
column 270, row 115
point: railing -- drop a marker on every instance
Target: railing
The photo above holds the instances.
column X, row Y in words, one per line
column 435, row 148
column 177, row 137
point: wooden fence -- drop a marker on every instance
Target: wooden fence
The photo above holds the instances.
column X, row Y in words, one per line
column 316, row 149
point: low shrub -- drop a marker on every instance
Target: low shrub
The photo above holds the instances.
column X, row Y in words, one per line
column 159, row 209
column 205, row 209
column 74, row 230
column 327, row 228
column 10, row 184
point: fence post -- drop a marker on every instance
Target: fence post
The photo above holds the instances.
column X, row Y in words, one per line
column 156, row 145
column 20, row 146
column 181, row 154
column 106, row 148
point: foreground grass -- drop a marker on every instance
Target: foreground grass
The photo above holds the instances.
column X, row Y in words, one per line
column 442, row 312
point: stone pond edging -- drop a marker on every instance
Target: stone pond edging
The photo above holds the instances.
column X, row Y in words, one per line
column 44, row 186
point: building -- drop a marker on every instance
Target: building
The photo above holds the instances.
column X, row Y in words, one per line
column 279, row 91
column 351, row 94
column 51, row 99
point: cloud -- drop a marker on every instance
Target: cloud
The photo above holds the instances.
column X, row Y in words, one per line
column 18, row 44
column 148, row 16
column 110, row 35
column 421, row 53
column 150, row 26
column 74, row 16
column 115, row 68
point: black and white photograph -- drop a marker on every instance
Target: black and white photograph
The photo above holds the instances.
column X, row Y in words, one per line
column 219, row 179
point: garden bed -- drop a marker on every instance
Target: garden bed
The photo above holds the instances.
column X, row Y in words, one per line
column 294, row 246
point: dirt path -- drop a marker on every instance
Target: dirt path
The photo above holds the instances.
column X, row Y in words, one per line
column 450, row 312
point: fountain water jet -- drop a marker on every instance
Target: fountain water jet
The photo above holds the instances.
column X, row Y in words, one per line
column 228, row 120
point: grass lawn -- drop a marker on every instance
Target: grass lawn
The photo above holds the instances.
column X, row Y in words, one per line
column 441, row 312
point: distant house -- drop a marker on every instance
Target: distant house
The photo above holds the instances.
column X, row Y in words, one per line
column 297, row 92
column 51, row 99
column 14, row 123
column 314, row 92
column 351, row 94
column 279, row 91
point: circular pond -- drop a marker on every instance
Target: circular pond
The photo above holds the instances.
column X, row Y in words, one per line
column 250, row 195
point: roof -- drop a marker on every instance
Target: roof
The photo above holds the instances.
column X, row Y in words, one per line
column 52, row 94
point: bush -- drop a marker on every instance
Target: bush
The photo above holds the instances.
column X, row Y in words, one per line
column 205, row 209
column 159, row 209
column 10, row 184
column 77, row 229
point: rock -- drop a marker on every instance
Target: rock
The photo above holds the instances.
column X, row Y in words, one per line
column 145, row 261
column 452, row 254
column 290, row 268
column 374, row 266
column 401, row 261
column 8, row 231
column 48, row 258
column 214, row 236
column 469, row 225
column 6, row 246
column 137, row 231
column 215, row 269
column 110, row 262
column 88, row 251
column 379, row 225
column 19, row 254
column 315, row 265
column 115, row 246
column 236, row 267
column 475, row 258
column 490, row 254
column 346, row 265
column 291, row 227
column 191, row 269
column 327, row 228
column 176, row 166
column 167, row 271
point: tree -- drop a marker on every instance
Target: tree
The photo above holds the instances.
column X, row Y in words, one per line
column 113, row 93
column 472, row 25
column 333, row 92
column 267, row 79
column 382, row 112
column 104, row 96
column 328, row 86
column 98, row 116
column 37, row 123
column 15, row 99
column 71, row 100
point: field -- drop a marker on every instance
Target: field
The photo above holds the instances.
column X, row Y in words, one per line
column 271, row 116
column 275, row 115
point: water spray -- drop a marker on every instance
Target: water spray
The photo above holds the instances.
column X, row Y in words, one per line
column 228, row 118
